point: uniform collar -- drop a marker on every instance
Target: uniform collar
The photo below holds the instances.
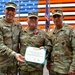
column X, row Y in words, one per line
column 61, row 29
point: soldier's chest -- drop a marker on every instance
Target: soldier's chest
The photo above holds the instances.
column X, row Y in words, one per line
column 60, row 36
column 10, row 29
column 34, row 37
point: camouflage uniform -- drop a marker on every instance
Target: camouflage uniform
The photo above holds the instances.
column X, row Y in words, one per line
column 35, row 38
column 9, row 44
column 63, row 53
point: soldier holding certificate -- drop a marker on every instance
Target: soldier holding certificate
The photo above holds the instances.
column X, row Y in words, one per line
column 9, row 41
column 33, row 37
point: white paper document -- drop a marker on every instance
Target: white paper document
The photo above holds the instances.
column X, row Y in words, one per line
column 35, row 55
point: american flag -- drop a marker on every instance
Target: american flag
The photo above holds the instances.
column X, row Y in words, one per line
column 25, row 6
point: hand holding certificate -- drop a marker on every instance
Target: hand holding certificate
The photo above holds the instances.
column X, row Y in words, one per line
column 35, row 55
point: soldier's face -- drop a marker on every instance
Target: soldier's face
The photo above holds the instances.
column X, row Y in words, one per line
column 10, row 14
column 32, row 23
column 57, row 19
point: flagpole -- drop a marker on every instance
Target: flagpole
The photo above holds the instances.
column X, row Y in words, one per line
column 47, row 15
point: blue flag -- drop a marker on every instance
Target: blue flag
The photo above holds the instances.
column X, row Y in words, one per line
column 47, row 16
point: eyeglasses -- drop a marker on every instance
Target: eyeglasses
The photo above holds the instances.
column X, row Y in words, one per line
column 56, row 16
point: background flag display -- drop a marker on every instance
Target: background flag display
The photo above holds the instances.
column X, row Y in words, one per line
column 47, row 14
column 25, row 6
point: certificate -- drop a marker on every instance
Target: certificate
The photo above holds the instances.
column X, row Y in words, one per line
column 35, row 55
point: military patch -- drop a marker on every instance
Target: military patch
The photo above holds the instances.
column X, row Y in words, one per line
column 63, row 43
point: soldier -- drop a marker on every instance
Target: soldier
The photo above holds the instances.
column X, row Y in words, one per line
column 9, row 40
column 34, row 37
column 62, row 60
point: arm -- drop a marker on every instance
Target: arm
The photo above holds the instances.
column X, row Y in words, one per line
column 72, row 66
column 4, row 50
column 48, row 46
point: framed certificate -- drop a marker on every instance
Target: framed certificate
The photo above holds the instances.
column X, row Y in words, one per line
column 35, row 55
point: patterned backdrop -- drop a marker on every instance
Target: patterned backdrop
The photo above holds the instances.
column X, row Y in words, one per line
column 25, row 6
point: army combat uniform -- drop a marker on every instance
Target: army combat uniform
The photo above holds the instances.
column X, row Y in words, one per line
column 9, row 44
column 63, row 53
column 37, row 39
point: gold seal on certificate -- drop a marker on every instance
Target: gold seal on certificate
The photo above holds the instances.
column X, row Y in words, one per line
column 35, row 55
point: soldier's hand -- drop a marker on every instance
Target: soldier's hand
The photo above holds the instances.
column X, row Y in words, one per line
column 19, row 57
column 41, row 47
column 71, row 72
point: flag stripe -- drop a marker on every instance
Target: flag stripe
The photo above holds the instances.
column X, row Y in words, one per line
column 43, row 18
column 61, row 1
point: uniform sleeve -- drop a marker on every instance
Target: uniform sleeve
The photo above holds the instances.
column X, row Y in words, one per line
column 4, row 50
column 72, row 66
column 48, row 46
